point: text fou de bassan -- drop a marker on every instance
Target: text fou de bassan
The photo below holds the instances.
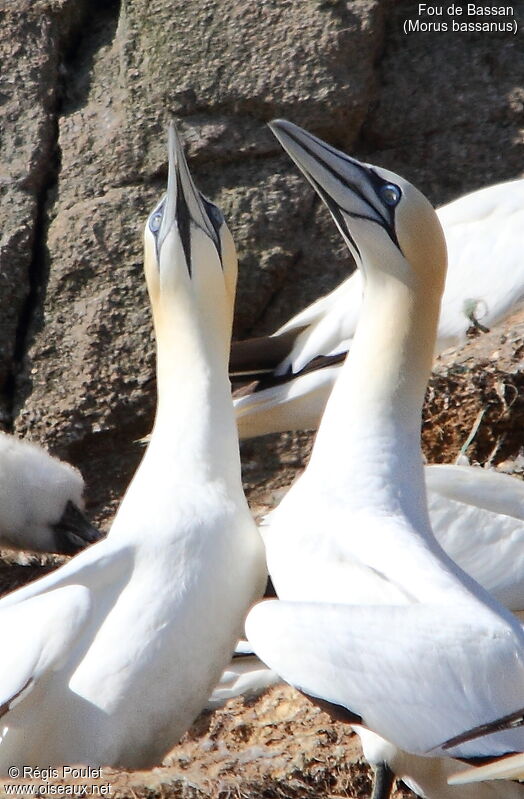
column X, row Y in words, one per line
column 462, row 18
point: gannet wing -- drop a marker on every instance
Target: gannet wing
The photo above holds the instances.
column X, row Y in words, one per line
column 414, row 674
column 478, row 518
column 261, row 355
column 509, row 768
column 484, row 488
column 246, row 676
column 294, row 405
column 316, row 310
column 99, row 566
column 486, row 271
column 329, row 325
column 37, row 635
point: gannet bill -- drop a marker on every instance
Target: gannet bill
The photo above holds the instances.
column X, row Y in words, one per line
column 295, row 368
column 373, row 617
column 158, row 605
column 41, row 501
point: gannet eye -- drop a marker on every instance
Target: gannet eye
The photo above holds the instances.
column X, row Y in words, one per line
column 390, row 194
column 155, row 222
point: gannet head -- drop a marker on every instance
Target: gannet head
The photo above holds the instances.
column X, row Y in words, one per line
column 389, row 226
column 189, row 255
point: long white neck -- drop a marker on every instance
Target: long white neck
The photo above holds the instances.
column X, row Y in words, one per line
column 368, row 444
column 194, row 443
column 194, row 423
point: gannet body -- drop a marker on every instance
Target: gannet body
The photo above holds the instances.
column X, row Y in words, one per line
column 41, row 501
column 372, row 616
column 484, row 284
column 156, row 608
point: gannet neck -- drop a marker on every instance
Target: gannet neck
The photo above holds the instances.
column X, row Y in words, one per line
column 370, row 432
column 194, row 418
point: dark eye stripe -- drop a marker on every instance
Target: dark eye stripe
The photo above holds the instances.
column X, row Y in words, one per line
column 183, row 218
column 215, row 217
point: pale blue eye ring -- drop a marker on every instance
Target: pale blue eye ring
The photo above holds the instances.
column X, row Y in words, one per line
column 390, row 194
column 155, row 222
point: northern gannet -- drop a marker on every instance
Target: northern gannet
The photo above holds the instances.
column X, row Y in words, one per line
column 112, row 656
column 477, row 515
column 372, row 616
column 295, row 368
column 41, row 501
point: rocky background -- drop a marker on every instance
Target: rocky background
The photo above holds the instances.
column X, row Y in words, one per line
column 86, row 88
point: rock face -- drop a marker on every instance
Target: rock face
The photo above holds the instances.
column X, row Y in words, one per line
column 86, row 89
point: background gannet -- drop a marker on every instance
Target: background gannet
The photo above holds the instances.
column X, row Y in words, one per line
column 373, row 617
column 41, row 501
column 295, row 368
column 155, row 609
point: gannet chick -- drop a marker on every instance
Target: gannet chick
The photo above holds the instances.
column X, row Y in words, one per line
column 373, row 617
column 295, row 368
column 117, row 671
column 41, row 501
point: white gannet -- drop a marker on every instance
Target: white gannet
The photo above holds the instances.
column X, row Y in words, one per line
column 372, row 616
column 295, row 368
column 148, row 617
column 41, row 501
column 477, row 515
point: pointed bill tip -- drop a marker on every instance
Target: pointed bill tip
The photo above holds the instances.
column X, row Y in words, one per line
column 283, row 130
column 276, row 124
column 174, row 145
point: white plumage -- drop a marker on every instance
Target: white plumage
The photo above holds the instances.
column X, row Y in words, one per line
column 245, row 676
column 477, row 516
column 41, row 501
column 372, row 615
column 151, row 614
